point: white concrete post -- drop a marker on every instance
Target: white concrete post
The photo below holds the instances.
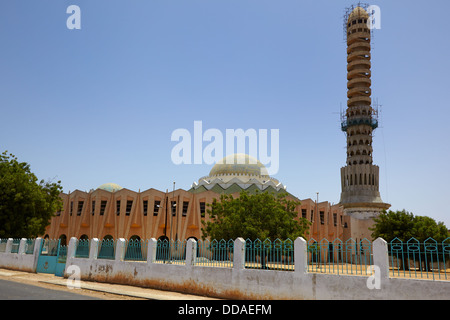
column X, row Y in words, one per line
column 9, row 244
column 22, row 245
column 37, row 247
column 151, row 250
column 239, row 254
column 72, row 248
column 93, row 248
column 36, row 252
column 120, row 249
column 301, row 256
column 381, row 257
column 191, row 252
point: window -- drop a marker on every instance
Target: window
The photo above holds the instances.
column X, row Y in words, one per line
column 93, row 207
column 145, row 205
column 322, row 217
column 312, row 216
column 185, row 208
column 102, row 207
column 173, row 205
column 129, row 205
column 80, row 207
column 202, row 209
column 117, row 207
column 156, row 207
column 335, row 219
column 304, row 213
column 71, row 207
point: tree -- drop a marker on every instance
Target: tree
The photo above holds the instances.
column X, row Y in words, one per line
column 257, row 216
column 404, row 226
column 26, row 206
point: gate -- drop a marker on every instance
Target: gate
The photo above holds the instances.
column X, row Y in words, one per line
column 52, row 257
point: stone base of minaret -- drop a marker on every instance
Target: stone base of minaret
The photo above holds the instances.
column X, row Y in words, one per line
column 362, row 218
column 361, row 198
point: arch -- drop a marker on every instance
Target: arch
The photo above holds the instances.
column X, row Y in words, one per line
column 63, row 240
column 84, row 237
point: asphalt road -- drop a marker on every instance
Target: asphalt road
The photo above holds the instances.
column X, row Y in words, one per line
column 11, row 290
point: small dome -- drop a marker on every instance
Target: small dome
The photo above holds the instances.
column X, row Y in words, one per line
column 111, row 187
column 357, row 13
column 239, row 164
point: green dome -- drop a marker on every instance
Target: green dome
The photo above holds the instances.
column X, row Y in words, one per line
column 111, row 187
column 239, row 164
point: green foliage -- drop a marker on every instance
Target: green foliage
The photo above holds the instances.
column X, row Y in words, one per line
column 258, row 216
column 26, row 206
column 404, row 225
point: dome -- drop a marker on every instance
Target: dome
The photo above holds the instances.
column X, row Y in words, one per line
column 241, row 164
column 111, row 187
column 358, row 12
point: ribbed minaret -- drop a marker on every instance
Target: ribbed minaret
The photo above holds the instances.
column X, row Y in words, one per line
column 360, row 195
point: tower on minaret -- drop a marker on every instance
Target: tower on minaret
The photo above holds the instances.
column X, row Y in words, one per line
column 360, row 196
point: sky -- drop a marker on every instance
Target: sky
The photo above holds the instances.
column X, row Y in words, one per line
column 99, row 104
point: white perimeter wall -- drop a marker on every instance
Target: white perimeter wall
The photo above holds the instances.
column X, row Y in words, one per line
column 235, row 282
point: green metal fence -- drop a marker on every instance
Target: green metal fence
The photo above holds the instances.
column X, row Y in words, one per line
column 30, row 246
column 106, row 249
column 15, row 245
column 82, row 250
column 338, row 257
column 170, row 251
column 49, row 247
column 270, row 255
column 62, row 256
column 215, row 253
column 136, row 250
column 429, row 259
column 3, row 242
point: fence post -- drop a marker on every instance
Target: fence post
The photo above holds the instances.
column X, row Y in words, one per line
column 93, row 249
column 239, row 254
column 36, row 252
column 120, row 249
column 381, row 257
column 9, row 244
column 72, row 248
column 300, row 256
column 22, row 246
column 191, row 252
column 151, row 250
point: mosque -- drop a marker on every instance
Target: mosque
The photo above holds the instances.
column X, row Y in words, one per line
column 111, row 211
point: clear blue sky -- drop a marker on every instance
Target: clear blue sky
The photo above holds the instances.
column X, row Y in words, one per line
column 99, row 104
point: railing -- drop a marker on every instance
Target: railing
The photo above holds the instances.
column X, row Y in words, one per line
column 82, row 250
column 106, row 249
column 170, row 251
column 49, row 247
column 136, row 250
column 338, row 257
column 15, row 245
column 422, row 260
column 276, row 255
column 30, row 246
column 3, row 242
column 62, row 255
column 215, row 253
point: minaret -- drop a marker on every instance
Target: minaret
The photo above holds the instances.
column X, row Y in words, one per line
column 360, row 195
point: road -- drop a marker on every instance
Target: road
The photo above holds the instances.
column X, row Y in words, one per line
column 89, row 289
column 12, row 290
